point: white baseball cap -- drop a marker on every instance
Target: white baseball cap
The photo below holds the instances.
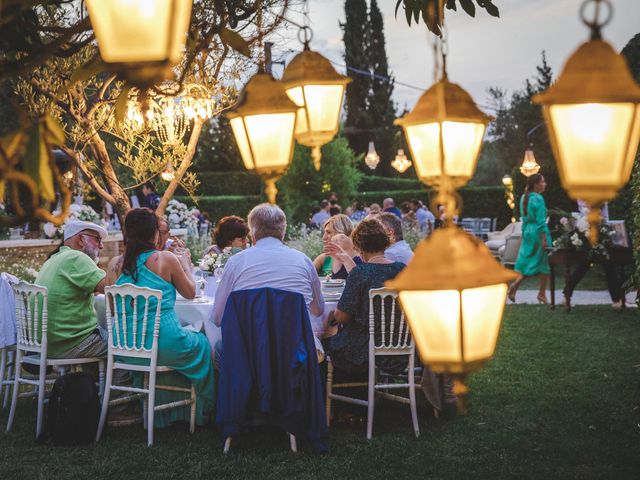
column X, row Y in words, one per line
column 74, row 227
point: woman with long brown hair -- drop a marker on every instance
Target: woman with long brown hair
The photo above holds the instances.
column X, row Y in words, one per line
column 532, row 257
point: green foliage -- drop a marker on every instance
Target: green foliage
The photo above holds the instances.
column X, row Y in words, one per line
column 630, row 195
column 356, row 34
column 381, row 109
column 308, row 242
column 217, row 149
column 228, row 183
column 220, row 206
column 515, row 118
column 429, row 11
column 372, row 183
column 302, row 187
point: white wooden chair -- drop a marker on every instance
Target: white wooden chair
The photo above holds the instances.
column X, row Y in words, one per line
column 32, row 346
column 7, row 357
column 391, row 337
column 132, row 344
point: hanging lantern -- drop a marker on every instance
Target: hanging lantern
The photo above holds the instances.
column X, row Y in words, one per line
column 445, row 105
column 168, row 120
column 263, row 123
column 168, row 173
column 372, row 159
column 317, row 89
column 453, row 294
column 529, row 165
column 142, row 39
column 196, row 103
column 401, row 163
column 593, row 117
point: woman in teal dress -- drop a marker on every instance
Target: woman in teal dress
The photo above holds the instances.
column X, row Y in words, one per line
column 532, row 257
column 187, row 353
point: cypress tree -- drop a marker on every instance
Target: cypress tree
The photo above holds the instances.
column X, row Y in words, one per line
column 381, row 108
column 356, row 38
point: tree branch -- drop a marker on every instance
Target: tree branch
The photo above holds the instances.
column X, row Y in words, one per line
column 87, row 174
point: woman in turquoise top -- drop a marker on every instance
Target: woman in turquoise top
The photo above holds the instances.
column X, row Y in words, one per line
column 532, row 257
column 186, row 352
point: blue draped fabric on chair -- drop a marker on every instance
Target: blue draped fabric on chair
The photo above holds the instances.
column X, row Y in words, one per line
column 269, row 366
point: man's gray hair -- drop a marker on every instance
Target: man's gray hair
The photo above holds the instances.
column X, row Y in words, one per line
column 266, row 220
column 393, row 223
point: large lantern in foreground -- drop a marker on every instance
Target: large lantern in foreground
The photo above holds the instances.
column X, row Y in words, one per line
column 453, row 294
column 263, row 123
column 143, row 39
column 593, row 117
column 317, row 89
column 448, row 107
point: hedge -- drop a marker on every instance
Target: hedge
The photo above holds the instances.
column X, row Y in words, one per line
column 222, row 205
column 227, row 184
column 372, row 183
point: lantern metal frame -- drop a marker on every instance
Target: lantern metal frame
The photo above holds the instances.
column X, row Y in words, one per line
column 263, row 95
column 306, row 69
column 594, row 74
column 146, row 73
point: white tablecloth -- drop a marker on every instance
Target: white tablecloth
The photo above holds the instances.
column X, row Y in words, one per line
column 193, row 315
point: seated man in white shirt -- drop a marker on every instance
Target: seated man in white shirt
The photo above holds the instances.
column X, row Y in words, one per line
column 399, row 250
column 268, row 263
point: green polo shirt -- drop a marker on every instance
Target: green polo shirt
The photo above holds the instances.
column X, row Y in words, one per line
column 71, row 278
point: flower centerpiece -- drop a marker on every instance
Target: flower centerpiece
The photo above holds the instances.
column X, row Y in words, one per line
column 213, row 262
column 573, row 234
column 76, row 212
column 181, row 216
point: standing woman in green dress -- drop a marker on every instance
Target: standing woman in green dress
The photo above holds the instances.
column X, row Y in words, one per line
column 532, row 257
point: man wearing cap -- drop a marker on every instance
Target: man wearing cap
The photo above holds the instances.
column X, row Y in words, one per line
column 71, row 276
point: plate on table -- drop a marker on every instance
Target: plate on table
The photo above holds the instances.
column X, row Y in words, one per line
column 332, row 295
column 333, row 283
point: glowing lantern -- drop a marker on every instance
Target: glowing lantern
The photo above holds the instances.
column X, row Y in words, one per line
column 401, row 163
column 141, row 38
column 263, row 123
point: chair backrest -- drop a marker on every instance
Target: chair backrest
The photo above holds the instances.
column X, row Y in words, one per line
column 130, row 316
column 7, row 311
column 388, row 329
column 31, row 317
column 484, row 225
column 468, row 225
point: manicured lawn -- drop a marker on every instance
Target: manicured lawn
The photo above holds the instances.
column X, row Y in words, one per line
column 560, row 400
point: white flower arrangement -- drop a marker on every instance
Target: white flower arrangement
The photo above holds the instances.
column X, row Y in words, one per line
column 213, row 261
column 180, row 216
column 76, row 212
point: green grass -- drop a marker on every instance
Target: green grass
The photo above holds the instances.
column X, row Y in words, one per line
column 593, row 280
column 560, row 400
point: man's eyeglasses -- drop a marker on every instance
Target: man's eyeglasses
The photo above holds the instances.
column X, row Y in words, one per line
column 97, row 238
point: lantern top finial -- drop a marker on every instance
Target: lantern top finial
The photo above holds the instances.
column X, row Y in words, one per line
column 451, row 260
column 595, row 73
column 459, row 107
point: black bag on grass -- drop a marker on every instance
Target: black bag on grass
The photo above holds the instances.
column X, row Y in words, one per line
column 73, row 411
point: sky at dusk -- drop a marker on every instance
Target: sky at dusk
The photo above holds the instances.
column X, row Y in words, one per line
column 484, row 51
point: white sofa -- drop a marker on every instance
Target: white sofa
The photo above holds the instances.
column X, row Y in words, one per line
column 497, row 240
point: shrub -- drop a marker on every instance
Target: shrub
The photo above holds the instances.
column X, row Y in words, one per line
column 227, row 183
column 302, row 187
column 308, row 242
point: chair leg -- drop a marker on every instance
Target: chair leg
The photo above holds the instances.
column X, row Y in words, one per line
column 105, row 399
column 41, row 393
column 192, row 424
column 10, row 373
column 16, row 387
column 227, row 445
column 412, row 397
column 145, row 403
column 329, row 391
column 100, row 378
column 371, row 400
column 294, row 443
column 151, row 411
